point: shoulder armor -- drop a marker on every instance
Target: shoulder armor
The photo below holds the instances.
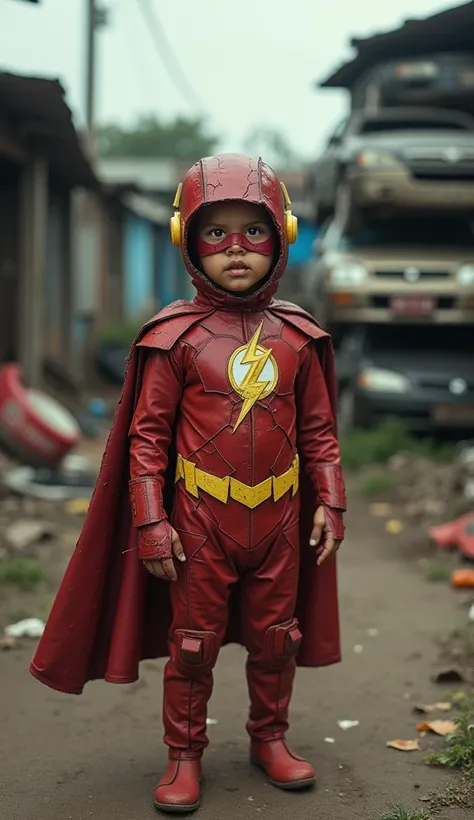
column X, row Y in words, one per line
column 164, row 330
column 299, row 318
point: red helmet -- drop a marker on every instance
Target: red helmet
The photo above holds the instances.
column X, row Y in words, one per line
column 233, row 177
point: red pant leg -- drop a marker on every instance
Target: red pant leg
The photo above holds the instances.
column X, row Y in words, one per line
column 271, row 632
column 200, row 599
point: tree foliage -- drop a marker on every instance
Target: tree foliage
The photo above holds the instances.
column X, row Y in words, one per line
column 182, row 138
column 273, row 146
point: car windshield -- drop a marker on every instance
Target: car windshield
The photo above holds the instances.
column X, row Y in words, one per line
column 438, row 339
column 406, row 231
column 411, row 124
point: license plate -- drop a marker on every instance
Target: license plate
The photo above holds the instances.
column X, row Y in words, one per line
column 448, row 415
column 412, row 305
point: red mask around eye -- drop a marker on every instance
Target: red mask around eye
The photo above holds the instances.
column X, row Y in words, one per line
column 266, row 247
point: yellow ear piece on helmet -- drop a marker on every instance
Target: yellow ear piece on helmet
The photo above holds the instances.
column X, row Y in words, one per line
column 176, row 229
column 291, row 221
column 291, row 225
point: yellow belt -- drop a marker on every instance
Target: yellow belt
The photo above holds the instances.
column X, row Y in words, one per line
column 223, row 488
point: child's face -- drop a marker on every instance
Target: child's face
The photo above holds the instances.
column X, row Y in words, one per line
column 236, row 268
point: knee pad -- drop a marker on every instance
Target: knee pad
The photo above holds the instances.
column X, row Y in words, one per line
column 194, row 653
column 282, row 643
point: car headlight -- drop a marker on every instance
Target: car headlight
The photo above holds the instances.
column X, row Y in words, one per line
column 347, row 273
column 377, row 159
column 377, row 380
column 465, row 275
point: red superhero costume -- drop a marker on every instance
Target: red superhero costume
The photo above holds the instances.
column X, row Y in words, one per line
column 226, row 425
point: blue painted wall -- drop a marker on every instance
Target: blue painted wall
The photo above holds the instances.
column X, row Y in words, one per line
column 173, row 280
column 300, row 252
column 153, row 268
column 139, row 278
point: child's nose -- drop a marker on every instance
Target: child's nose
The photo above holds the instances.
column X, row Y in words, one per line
column 235, row 248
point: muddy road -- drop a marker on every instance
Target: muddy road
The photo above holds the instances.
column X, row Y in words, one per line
column 99, row 755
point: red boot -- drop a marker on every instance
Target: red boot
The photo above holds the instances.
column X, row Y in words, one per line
column 179, row 789
column 282, row 766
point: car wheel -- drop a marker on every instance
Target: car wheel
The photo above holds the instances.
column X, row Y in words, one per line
column 34, row 428
column 346, row 410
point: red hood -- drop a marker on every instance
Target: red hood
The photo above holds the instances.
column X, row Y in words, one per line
column 230, row 177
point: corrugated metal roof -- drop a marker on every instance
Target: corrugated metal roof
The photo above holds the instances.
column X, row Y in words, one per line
column 151, row 174
column 38, row 108
column 449, row 30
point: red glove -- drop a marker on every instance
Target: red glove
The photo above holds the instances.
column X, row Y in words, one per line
column 328, row 533
column 334, row 523
column 155, row 541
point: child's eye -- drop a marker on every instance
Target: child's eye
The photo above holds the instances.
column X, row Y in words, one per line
column 254, row 230
column 216, row 233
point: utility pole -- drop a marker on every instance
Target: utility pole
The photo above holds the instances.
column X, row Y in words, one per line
column 86, row 209
column 90, row 68
column 97, row 17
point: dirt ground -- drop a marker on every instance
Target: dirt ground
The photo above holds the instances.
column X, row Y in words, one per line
column 99, row 755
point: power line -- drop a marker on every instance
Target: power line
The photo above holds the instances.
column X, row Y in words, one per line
column 167, row 56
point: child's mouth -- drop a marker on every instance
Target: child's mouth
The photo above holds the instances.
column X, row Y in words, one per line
column 237, row 268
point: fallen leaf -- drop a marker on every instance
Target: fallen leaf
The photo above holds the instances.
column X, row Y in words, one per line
column 438, row 727
column 404, row 745
column 380, row 510
column 425, row 709
column 394, row 526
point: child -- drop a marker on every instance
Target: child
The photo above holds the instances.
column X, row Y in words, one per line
column 226, row 430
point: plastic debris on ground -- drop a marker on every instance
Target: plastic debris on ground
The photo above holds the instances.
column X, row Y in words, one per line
column 49, row 485
column 347, row 724
column 26, row 628
column 457, row 534
column 77, row 506
column 463, row 578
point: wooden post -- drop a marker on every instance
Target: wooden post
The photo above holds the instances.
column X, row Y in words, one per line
column 33, row 231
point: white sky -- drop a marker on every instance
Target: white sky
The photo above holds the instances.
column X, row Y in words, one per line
column 251, row 61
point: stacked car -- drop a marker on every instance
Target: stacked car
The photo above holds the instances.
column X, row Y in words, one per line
column 393, row 196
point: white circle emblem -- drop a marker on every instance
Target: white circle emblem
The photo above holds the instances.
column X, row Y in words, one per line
column 264, row 376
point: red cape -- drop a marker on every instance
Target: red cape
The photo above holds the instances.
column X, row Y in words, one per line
column 109, row 613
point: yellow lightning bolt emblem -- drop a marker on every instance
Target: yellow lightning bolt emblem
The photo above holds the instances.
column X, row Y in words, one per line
column 251, row 388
